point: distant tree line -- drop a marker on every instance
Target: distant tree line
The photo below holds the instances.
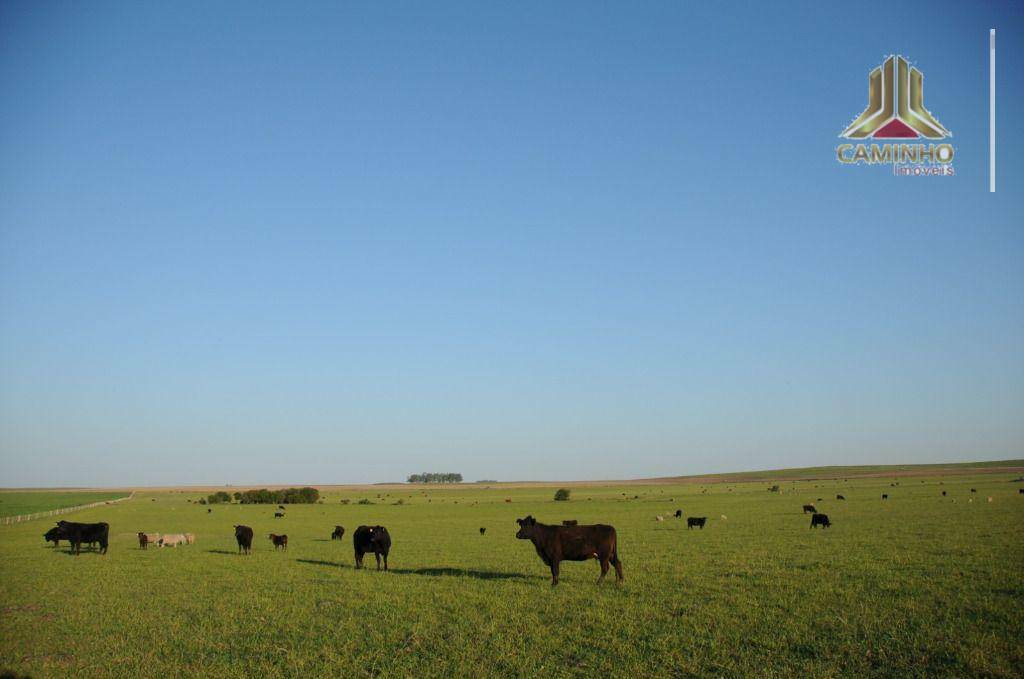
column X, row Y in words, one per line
column 288, row 496
column 433, row 477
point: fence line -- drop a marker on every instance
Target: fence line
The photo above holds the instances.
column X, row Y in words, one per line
column 8, row 520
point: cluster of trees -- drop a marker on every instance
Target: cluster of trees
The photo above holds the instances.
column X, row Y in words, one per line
column 562, row 494
column 220, row 497
column 433, row 477
column 288, row 496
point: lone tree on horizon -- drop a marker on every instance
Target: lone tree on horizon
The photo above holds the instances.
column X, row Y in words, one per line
column 561, row 495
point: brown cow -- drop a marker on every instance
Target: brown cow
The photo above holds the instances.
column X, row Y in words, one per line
column 279, row 541
column 555, row 544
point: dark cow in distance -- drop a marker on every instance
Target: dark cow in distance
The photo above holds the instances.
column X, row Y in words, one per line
column 555, row 544
column 1020, row 491
column 840, row 497
column 810, row 508
column 243, row 535
column 339, row 532
column 278, row 515
column 679, row 514
column 974, row 490
column 570, row 522
column 77, row 533
column 944, row 493
column 698, row 521
column 885, row 496
column 820, row 520
column 482, row 530
column 279, row 541
column 373, row 539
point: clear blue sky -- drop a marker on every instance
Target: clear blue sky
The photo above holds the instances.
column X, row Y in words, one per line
column 251, row 243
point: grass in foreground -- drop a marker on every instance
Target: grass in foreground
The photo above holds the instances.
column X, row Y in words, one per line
column 915, row 585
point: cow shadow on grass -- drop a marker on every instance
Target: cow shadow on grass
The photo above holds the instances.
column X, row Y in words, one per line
column 448, row 572
column 222, row 551
column 445, row 572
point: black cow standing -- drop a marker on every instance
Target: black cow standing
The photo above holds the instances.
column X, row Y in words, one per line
column 698, row 521
column 810, row 508
column 555, row 544
column 278, row 515
column 679, row 513
column 840, row 497
column 885, row 496
column 54, row 535
column 243, row 535
column 482, row 531
column 820, row 520
column 77, row 533
column 339, row 532
column 374, row 539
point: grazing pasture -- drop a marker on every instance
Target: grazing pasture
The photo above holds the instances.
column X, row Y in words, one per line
column 916, row 584
column 17, row 502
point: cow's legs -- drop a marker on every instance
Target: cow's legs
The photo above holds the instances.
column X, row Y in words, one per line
column 359, row 560
column 385, row 561
column 618, row 566
column 554, row 572
column 604, row 568
column 377, row 554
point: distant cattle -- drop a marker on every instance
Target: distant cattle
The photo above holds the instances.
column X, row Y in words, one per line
column 209, row 511
column 279, row 541
column 150, row 539
column 570, row 522
column 280, row 506
column 819, row 500
column 885, row 496
column 820, row 520
column 77, row 533
column 974, row 490
column 840, row 497
column 482, row 531
column 190, row 538
column 373, row 539
column 338, row 533
column 944, row 493
column 679, row 514
column 278, row 515
column 555, row 544
column 1020, row 491
column 659, row 517
column 243, row 535
column 143, row 540
column 810, row 508
column 173, row 540
column 990, row 498
column 698, row 521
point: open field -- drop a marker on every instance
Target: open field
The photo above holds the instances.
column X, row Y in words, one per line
column 915, row 585
column 16, row 502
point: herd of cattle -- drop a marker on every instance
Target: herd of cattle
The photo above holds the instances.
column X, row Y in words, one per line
column 554, row 544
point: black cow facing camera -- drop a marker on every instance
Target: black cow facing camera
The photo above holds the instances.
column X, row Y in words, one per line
column 243, row 535
column 373, row 539
column 820, row 520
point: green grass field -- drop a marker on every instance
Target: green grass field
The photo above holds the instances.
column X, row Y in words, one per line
column 16, row 502
column 917, row 585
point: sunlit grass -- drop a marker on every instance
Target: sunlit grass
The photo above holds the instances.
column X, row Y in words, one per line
column 914, row 585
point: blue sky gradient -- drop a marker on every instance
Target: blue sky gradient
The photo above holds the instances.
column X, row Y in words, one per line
column 253, row 244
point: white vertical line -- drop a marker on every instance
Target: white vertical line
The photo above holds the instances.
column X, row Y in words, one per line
column 992, row 110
